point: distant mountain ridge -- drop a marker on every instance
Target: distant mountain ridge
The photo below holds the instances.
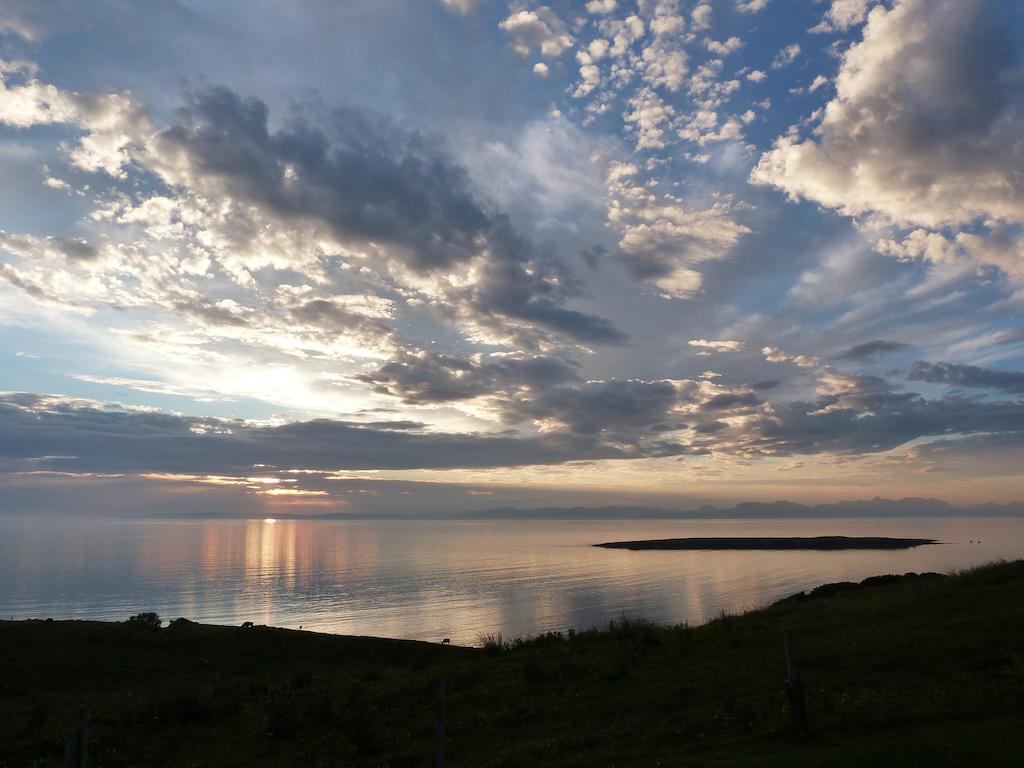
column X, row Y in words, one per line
column 876, row 507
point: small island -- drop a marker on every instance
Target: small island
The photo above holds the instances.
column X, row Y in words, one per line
column 773, row 542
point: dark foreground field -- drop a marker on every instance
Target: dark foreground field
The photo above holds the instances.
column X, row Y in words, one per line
column 922, row 671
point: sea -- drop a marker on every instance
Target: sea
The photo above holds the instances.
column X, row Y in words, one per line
column 437, row 579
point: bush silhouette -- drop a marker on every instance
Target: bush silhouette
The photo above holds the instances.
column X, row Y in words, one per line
column 148, row 620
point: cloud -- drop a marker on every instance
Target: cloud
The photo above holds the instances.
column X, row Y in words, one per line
column 34, row 20
column 539, row 29
column 373, row 183
column 148, row 385
column 663, row 62
column 29, row 246
column 871, row 422
column 999, row 247
column 852, row 415
column 663, row 240
column 602, row 7
column 13, row 25
column 423, row 378
column 461, row 6
column 967, row 376
column 700, row 16
column 727, row 345
column 623, row 33
column 869, row 350
column 843, row 14
column 649, row 117
column 786, row 56
column 319, row 198
column 775, row 355
column 377, row 183
column 1010, row 337
column 111, row 122
column 751, row 6
column 590, row 74
column 621, row 411
column 731, row 400
column 102, row 438
column 923, row 130
column 725, row 47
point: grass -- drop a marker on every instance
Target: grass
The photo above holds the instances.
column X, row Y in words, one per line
column 911, row 671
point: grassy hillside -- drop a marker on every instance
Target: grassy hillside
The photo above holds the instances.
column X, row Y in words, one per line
column 919, row 671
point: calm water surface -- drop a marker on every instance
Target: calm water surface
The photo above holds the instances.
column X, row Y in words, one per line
column 431, row 580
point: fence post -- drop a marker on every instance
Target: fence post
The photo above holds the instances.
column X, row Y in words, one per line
column 76, row 745
column 795, row 689
column 439, row 721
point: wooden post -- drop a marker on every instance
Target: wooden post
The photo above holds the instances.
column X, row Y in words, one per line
column 795, row 689
column 76, row 745
column 439, row 721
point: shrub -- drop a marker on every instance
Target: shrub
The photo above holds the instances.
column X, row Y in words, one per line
column 492, row 643
column 148, row 620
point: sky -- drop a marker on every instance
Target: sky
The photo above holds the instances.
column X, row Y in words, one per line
column 394, row 256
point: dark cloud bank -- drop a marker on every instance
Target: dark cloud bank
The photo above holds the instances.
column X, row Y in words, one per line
column 970, row 376
column 590, row 420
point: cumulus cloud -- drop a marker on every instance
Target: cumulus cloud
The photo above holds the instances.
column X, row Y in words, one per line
column 725, row 47
column 590, row 74
column 664, row 240
column 724, row 345
column 373, row 183
column 700, row 16
column 600, row 7
column 843, row 14
column 999, row 246
column 923, row 130
column 649, row 116
column 664, row 62
column 818, row 82
column 111, row 123
column 538, row 29
column 622, row 32
column 776, row 355
column 786, row 56
column 751, row 6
